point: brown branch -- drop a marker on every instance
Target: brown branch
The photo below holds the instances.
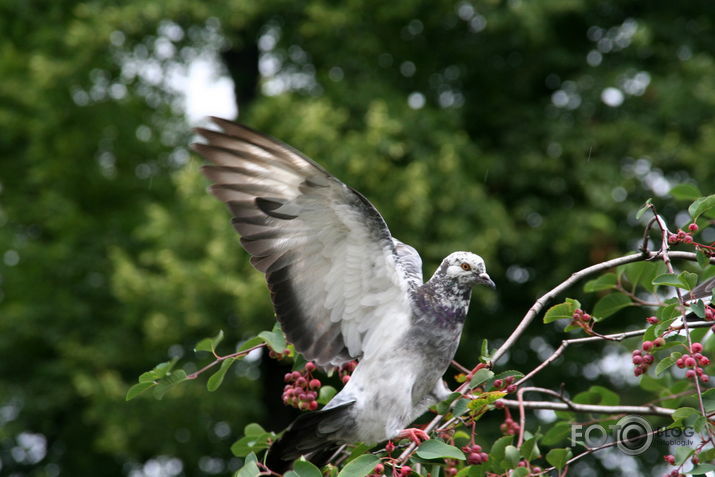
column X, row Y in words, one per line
column 574, row 278
column 613, row 337
column 219, row 359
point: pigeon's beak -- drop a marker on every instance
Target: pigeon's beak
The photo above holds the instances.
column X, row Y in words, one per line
column 485, row 280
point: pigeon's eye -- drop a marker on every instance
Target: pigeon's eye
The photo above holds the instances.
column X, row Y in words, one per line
column 466, row 267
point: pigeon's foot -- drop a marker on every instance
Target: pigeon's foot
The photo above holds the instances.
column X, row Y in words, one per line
column 413, row 434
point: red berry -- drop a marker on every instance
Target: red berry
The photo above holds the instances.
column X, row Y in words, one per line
column 659, row 341
column 704, row 361
column 648, row 359
column 499, row 404
column 693, row 227
column 636, row 352
column 679, row 363
column 688, row 239
column 314, row 383
column 652, row 320
column 672, row 239
column 511, row 388
column 690, row 374
column 585, row 317
column 345, row 379
column 476, row 448
column 389, row 447
column 647, row 345
column 485, row 456
column 669, row 459
column 405, row 471
column 313, row 405
column 637, row 359
column 705, row 378
column 695, row 460
column 689, row 362
column 310, row 366
column 509, row 379
column 474, row 458
column 696, row 348
column 498, row 383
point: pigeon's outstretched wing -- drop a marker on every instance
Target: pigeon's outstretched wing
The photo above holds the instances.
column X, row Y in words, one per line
column 338, row 279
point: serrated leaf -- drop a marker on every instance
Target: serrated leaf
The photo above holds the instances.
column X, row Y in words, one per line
column 701, row 205
column 168, row 382
column 326, row 393
column 685, row 192
column 436, row 449
column 209, row 344
column 666, row 363
column 558, row 457
column 480, row 376
column 360, row 466
column 604, row 282
column 610, row 304
column 137, row 389
column 643, row 209
column 217, row 378
column 562, row 310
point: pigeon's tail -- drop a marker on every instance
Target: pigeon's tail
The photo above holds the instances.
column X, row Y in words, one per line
column 311, row 435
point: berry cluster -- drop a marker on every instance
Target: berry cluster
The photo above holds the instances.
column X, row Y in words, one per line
column 505, row 384
column 709, row 313
column 509, row 426
column 345, row 370
column 643, row 361
column 580, row 318
column 534, row 470
column 302, row 388
column 670, row 459
column 475, row 455
column 683, row 236
column 692, row 361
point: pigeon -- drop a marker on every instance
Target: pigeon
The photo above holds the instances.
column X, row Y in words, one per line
column 343, row 289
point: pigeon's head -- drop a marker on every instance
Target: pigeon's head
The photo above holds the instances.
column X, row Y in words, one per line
column 466, row 268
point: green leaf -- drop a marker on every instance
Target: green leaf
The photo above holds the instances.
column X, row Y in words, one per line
column 250, row 343
column 604, row 282
column 642, row 273
column 326, row 393
column 530, row 449
column 666, row 363
column 562, row 310
column 597, row 395
column 137, row 389
column 436, row 449
column 684, row 412
column 497, row 453
column 558, row 457
column 685, row 192
column 557, row 433
column 217, row 378
column 680, row 281
column 511, row 454
column 643, row 209
column 253, row 429
column 689, row 279
column 209, row 344
column 701, row 205
column 702, row 469
column 251, row 443
column 443, row 406
column 698, row 308
column 250, row 467
column 169, row 382
column 703, row 260
column 610, row 304
column 303, row 468
column 159, row 371
column 520, row 472
column 480, row 376
column 360, row 467
column 274, row 339
column 484, row 356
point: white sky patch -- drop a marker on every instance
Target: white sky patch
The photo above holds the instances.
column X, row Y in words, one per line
column 206, row 89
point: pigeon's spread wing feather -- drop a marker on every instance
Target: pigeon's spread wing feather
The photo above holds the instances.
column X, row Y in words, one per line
column 338, row 280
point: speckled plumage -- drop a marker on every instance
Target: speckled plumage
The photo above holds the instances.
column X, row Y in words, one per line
column 342, row 287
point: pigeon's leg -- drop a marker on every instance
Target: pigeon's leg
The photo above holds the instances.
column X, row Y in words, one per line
column 413, row 434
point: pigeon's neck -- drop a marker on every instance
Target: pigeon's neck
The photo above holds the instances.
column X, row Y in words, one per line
column 444, row 300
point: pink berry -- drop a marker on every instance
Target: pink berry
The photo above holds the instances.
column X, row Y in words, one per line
column 696, row 348
column 652, row 320
column 704, row 361
column 485, row 456
column 310, row 366
column 705, row 378
column 693, row 227
column 474, row 458
column 345, row 379
column 637, row 352
column 672, row 239
column 687, row 239
column 637, row 359
column 499, row 404
column 511, row 388
column 314, row 383
column 647, row 345
column 689, row 362
column 679, row 363
column 690, row 374
column 379, row 469
column 648, row 359
column 669, row 459
column 313, row 405
column 659, row 341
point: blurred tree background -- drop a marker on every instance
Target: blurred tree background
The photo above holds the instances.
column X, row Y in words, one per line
column 526, row 131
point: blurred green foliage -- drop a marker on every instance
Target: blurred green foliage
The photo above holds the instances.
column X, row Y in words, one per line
column 527, row 132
